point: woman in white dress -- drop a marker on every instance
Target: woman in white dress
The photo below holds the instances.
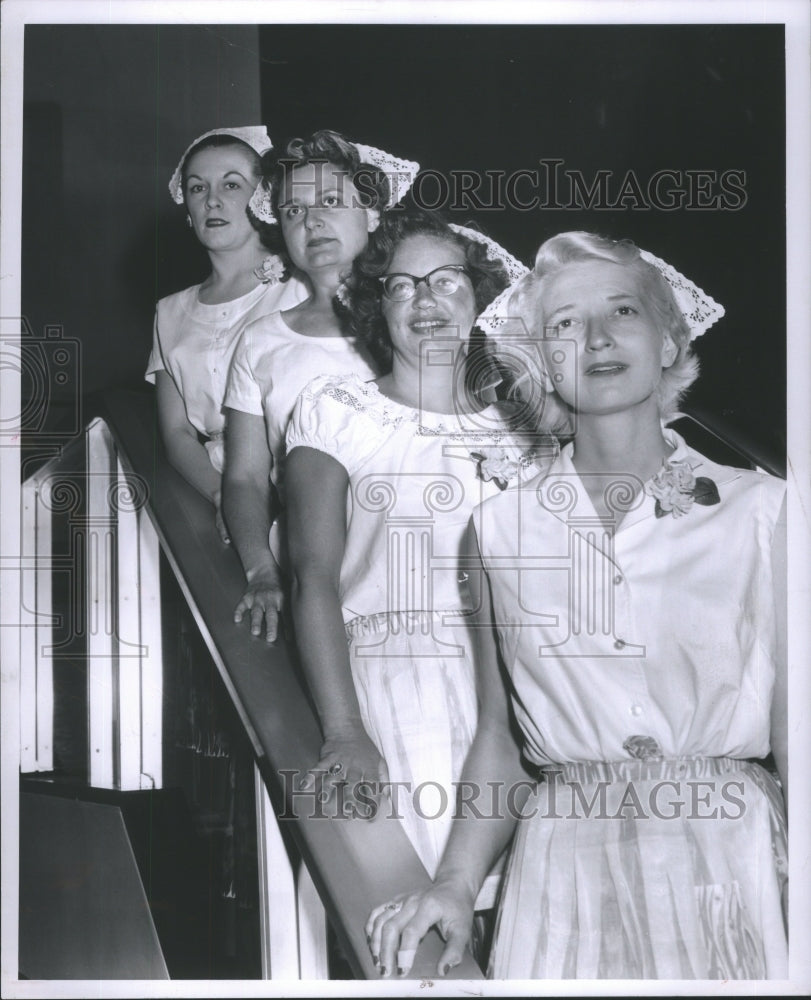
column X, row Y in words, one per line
column 326, row 194
column 635, row 598
column 196, row 330
column 381, row 478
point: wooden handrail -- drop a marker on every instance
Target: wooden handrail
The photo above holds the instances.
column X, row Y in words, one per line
column 735, row 439
column 355, row 864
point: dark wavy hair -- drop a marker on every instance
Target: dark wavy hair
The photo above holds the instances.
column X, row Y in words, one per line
column 364, row 314
column 326, row 147
column 215, row 141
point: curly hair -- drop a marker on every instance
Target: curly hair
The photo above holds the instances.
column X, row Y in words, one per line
column 324, row 146
column 364, row 297
column 575, row 247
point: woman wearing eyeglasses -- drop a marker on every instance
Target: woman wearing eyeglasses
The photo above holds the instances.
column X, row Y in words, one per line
column 381, row 478
column 633, row 627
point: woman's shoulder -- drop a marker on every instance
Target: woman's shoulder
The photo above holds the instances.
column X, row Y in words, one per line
column 330, row 415
column 265, row 333
column 182, row 301
column 756, row 484
column 752, row 495
column 282, row 295
column 347, row 391
column 728, row 482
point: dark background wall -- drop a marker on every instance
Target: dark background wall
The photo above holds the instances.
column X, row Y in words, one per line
column 110, row 108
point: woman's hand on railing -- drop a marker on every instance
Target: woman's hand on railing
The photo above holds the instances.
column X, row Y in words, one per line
column 352, row 761
column 263, row 600
column 395, row 929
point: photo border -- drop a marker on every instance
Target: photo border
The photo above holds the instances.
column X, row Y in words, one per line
column 794, row 14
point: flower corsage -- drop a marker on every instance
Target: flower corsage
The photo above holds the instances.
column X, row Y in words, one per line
column 498, row 466
column 342, row 295
column 271, row 270
column 676, row 489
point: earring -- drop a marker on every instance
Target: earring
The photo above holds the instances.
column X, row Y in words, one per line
column 188, row 221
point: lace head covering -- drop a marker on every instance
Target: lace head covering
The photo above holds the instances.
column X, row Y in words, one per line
column 495, row 251
column 255, row 136
column 698, row 308
column 401, row 174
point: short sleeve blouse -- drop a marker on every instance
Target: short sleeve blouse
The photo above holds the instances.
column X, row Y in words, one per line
column 194, row 342
column 416, row 473
column 272, row 364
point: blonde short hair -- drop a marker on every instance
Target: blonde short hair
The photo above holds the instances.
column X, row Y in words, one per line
column 576, row 247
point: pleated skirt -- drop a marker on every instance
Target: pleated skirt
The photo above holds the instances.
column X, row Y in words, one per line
column 648, row 869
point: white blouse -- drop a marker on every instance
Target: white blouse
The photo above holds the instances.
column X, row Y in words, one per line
column 415, row 476
column 665, row 630
column 273, row 363
column 194, row 343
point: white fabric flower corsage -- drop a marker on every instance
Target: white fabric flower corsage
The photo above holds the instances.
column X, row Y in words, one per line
column 496, row 465
column 342, row 294
column 271, row 270
column 676, row 489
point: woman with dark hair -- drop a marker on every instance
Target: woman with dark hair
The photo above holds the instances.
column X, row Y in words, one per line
column 197, row 330
column 631, row 611
column 326, row 195
column 380, row 480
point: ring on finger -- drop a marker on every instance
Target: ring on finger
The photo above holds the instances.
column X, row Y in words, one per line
column 394, row 907
column 335, row 768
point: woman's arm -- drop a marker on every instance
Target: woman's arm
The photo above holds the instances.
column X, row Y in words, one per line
column 316, row 490
column 494, row 761
column 183, row 448
column 779, row 715
column 246, row 503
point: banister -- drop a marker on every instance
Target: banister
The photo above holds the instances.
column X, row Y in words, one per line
column 735, row 438
column 356, row 864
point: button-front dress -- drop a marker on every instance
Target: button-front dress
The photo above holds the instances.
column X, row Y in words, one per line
column 642, row 663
